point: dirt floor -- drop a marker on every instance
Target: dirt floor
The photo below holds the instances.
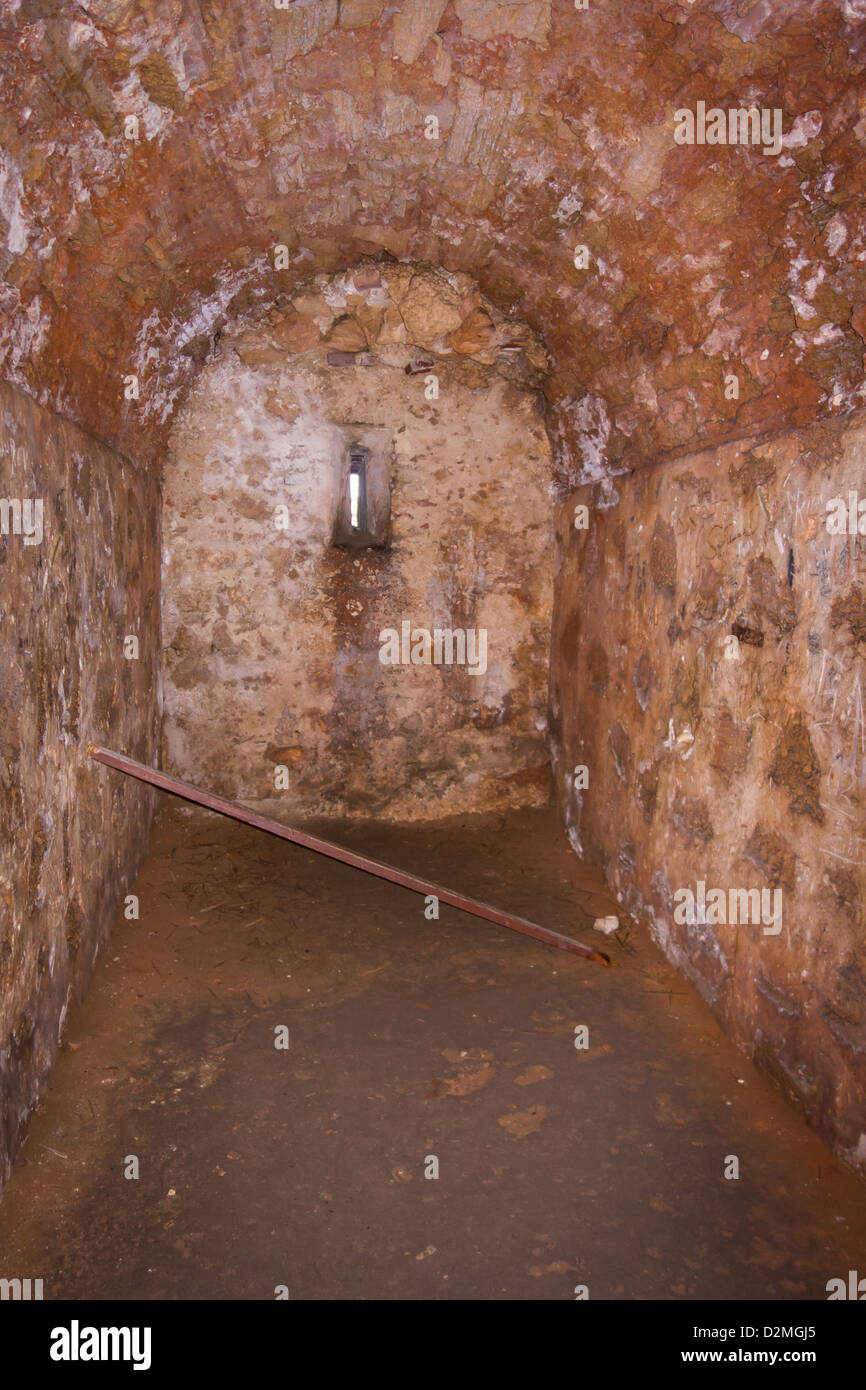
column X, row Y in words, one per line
column 408, row 1039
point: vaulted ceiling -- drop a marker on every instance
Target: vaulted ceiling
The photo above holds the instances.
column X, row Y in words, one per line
column 308, row 126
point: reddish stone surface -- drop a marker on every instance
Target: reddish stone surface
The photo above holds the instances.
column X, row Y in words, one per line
column 306, row 127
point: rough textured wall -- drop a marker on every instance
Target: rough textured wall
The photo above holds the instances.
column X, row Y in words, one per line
column 153, row 156
column 72, row 833
column 272, row 636
column 709, row 644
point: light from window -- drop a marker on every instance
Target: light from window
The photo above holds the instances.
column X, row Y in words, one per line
column 358, row 489
column 354, row 500
column 362, row 491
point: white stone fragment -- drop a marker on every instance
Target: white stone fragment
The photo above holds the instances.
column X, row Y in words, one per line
column 608, row 925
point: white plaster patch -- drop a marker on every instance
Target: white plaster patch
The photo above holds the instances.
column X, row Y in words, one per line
column 803, row 129
column 568, row 208
column 18, row 232
column 835, row 234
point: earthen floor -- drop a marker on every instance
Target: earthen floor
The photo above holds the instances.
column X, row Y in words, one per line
column 409, row 1040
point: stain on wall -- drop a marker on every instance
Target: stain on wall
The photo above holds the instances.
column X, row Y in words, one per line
column 73, row 833
column 272, row 634
column 710, row 612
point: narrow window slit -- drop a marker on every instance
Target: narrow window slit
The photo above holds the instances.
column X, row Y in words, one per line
column 363, row 493
column 358, row 489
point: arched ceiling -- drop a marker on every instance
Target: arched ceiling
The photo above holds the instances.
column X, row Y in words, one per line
column 305, row 126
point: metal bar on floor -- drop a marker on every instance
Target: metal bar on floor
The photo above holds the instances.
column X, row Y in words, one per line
column 243, row 813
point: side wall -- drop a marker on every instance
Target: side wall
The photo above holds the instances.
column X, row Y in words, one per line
column 709, row 643
column 72, row 832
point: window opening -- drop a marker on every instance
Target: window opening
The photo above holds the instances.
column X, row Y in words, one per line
column 358, row 489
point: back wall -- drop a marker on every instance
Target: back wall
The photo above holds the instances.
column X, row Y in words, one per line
column 275, row 690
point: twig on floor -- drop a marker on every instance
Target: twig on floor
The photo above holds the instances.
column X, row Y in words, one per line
column 65, row 1157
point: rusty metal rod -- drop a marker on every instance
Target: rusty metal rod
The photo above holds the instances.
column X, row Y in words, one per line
column 346, row 856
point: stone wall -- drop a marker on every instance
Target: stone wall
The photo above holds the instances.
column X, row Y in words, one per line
column 708, row 669
column 70, row 592
column 272, row 634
